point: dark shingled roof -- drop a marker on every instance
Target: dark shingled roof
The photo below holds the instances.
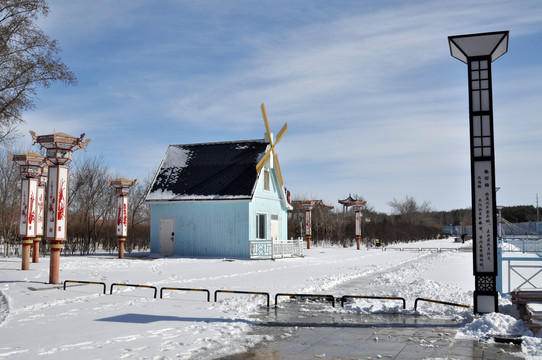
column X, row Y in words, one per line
column 223, row 170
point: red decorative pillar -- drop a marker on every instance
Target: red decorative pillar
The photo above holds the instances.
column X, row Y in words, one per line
column 357, row 212
column 308, row 223
column 60, row 148
column 30, row 171
column 40, row 214
column 122, row 187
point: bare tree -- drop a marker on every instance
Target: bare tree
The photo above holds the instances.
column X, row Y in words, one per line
column 139, row 216
column 28, row 59
column 10, row 196
column 92, row 204
column 409, row 210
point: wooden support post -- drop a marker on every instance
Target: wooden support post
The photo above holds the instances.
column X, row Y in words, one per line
column 121, row 247
column 26, row 253
column 54, row 265
column 36, row 250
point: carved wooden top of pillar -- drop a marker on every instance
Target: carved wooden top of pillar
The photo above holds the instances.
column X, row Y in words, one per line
column 122, row 185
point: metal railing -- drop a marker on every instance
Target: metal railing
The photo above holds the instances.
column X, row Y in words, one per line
column 330, row 298
column 523, row 245
column 269, row 249
column 84, row 282
column 134, row 285
column 526, row 270
column 345, row 297
column 438, row 302
column 185, row 289
column 243, row 292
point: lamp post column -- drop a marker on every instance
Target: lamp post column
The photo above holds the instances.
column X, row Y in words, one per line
column 60, row 148
column 308, row 224
column 40, row 205
column 357, row 212
column 30, row 169
column 478, row 51
column 122, row 187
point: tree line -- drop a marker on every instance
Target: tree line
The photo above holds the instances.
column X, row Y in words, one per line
column 408, row 221
column 92, row 209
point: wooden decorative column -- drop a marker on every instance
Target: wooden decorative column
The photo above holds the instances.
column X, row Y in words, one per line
column 357, row 204
column 357, row 213
column 308, row 224
column 60, row 148
column 40, row 212
column 122, row 187
column 30, row 169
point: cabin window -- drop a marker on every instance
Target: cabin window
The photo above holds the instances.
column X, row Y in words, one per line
column 260, row 226
column 266, row 180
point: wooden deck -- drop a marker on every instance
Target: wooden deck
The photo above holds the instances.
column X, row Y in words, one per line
column 529, row 303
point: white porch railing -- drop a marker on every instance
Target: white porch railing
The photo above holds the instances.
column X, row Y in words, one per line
column 268, row 249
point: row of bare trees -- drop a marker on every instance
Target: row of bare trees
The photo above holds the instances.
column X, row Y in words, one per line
column 92, row 209
column 409, row 221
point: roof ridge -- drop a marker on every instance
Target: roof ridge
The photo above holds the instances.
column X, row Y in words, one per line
column 224, row 142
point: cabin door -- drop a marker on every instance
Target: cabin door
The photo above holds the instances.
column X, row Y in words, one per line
column 167, row 236
column 274, row 227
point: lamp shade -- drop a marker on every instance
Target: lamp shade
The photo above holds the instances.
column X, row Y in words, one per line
column 494, row 44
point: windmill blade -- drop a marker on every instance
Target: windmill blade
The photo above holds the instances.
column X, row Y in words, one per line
column 277, row 168
column 263, row 161
column 268, row 131
column 281, row 133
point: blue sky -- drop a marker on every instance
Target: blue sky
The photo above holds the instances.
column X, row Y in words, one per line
column 374, row 102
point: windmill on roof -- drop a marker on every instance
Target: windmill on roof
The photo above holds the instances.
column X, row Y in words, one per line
column 271, row 151
column 207, row 199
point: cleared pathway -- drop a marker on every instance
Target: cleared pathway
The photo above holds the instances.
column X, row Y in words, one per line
column 312, row 330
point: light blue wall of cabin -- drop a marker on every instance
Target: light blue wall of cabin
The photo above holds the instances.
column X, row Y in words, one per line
column 219, row 228
column 204, row 228
column 269, row 203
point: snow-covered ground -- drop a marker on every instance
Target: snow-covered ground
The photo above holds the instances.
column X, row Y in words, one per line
column 38, row 320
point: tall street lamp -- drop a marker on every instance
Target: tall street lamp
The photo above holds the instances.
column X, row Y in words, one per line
column 478, row 51
column 30, row 169
column 122, row 187
column 60, row 148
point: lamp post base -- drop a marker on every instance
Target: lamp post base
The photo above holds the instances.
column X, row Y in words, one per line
column 121, row 247
column 26, row 254
column 54, row 266
column 36, row 250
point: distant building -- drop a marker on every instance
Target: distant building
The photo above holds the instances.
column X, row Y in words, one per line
column 208, row 200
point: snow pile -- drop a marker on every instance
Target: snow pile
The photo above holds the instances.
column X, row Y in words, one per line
column 494, row 324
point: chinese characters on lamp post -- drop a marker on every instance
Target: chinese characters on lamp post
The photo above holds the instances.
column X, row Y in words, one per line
column 122, row 187
column 60, row 148
column 478, row 51
column 40, row 211
column 308, row 223
column 30, row 169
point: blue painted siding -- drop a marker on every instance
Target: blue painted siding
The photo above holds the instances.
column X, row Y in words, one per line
column 219, row 228
column 204, row 228
column 269, row 203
